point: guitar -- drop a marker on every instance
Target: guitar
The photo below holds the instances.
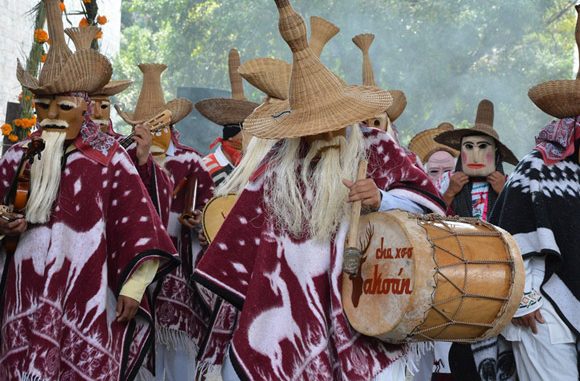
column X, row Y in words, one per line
column 157, row 123
column 20, row 190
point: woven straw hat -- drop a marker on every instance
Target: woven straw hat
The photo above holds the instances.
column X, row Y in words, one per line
column 319, row 102
column 424, row 145
column 151, row 100
column 272, row 76
column 113, row 88
column 483, row 126
column 82, row 38
column 561, row 99
column 364, row 42
column 64, row 72
column 234, row 110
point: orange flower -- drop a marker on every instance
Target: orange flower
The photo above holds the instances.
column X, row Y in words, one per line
column 6, row 129
column 40, row 36
column 27, row 98
column 17, row 122
column 43, row 58
column 99, row 35
column 62, row 6
column 13, row 138
column 84, row 22
column 102, row 20
column 87, row 1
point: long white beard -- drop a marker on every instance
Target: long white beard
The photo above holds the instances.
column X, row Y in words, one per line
column 316, row 210
column 45, row 178
column 238, row 179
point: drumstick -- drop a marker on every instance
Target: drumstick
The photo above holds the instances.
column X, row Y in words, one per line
column 352, row 254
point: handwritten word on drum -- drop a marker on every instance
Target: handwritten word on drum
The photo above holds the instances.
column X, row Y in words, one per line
column 387, row 253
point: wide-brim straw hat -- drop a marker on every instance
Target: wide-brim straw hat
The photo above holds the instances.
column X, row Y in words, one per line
column 319, row 102
column 151, row 100
column 364, row 42
column 559, row 98
column 64, row 71
column 483, row 126
column 226, row 111
column 113, row 88
column 424, row 145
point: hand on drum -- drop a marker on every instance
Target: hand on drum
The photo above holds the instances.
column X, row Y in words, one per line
column 366, row 191
column 530, row 321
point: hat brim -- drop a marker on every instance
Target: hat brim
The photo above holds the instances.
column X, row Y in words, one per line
column 113, row 88
column 85, row 71
column 453, row 139
column 224, row 111
column 355, row 104
column 179, row 108
column 560, row 99
column 424, row 145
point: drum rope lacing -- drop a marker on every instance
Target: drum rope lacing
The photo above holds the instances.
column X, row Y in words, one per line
column 442, row 223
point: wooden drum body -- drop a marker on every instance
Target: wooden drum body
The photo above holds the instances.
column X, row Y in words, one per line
column 433, row 278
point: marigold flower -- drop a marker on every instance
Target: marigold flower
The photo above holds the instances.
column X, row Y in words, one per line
column 84, row 22
column 87, row 1
column 102, row 20
column 6, row 129
column 40, row 36
column 43, row 58
column 13, row 138
column 16, row 122
column 62, row 6
column 99, row 35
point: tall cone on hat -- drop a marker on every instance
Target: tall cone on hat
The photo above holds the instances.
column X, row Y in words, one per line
column 229, row 111
column 364, row 42
column 272, row 76
column 82, row 38
column 64, row 72
column 318, row 101
column 321, row 31
column 483, row 126
column 151, row 100
column 424, row 145
column 560, row 98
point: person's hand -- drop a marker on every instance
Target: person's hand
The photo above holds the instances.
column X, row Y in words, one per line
column 530, row 321
column 192, row 222
column 364, row 190
column 14, row 227
column 497, row 181
column 126, row 308
column 202, row 238
column 143, row 139
column 456, row 184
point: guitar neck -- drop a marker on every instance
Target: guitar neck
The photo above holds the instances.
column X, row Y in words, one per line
column 157, row 123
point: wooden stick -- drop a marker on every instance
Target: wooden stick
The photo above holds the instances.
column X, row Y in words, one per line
column 352, row 254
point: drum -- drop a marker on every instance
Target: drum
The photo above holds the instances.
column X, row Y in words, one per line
column 215, row 213
column 428, row 278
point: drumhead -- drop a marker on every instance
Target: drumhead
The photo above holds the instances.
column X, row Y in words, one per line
column 215, row 213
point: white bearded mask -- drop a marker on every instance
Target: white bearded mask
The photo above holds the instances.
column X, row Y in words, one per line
column 439, row 163
column 478, row 155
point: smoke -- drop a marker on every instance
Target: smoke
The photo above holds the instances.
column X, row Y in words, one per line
column 445, row 55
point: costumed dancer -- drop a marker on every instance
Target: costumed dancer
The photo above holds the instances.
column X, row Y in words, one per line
column 472, row 192
column 437, row 159
column 540, row 207
column 76, row 265
column 278, row 255
column 156, row 181
column 230, row 114
column 181, row 316
column 272, row 77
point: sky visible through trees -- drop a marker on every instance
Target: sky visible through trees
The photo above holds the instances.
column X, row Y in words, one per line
column 446, row 55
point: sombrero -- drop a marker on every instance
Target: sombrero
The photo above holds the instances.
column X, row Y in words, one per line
column 483, row 126
column 228, row 111
column 151, row 100
column 363, row 42
column 424, row 145
column 560, row 98
column 318, row 101
column 64, row 71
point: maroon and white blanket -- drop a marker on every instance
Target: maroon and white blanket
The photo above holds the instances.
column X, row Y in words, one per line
column 59, row 289
column 181, row 314
column 292, row 325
